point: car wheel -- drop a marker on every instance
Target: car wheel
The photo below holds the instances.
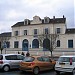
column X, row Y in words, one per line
column 6, row 68
column 73, row 72
column 58, row 72
column 36, row 70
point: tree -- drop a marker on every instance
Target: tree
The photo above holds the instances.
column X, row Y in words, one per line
column 3, row 38
column 1, row 50
column 52, row 38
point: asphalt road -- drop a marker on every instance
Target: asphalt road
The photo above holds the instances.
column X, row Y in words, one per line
column 17, row 72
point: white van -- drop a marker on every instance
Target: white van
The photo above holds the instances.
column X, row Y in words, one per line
column 65, row 64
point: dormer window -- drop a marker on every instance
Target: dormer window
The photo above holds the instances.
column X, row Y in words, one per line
column 26, row 22
column 46, row 19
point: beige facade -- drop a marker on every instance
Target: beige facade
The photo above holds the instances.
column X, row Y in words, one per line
column 40, row 25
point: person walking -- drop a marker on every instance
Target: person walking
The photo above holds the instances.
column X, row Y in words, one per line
column 27, row 54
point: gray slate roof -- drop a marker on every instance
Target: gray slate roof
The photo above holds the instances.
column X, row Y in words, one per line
column 6, row 34
column 70, row 31
column 51, row 21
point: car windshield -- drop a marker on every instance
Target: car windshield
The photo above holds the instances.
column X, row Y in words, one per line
column 28, row 59
column 64, row 59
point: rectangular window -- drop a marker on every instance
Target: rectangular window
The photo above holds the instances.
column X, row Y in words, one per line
column 70, row 43
column 35, row 31
column 16, row 44
column 46, row 30
column 11, row 57
column 46, row 21
column 58, row 30
column 16, row 33
column 25, row 32
column 8, row 44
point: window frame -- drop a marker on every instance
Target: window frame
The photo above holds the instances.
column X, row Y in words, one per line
column 35, row 31
column 8, row 44
column 20, row 57
column 46, row 31
column 70, row 43
column 58, row 43
column 58, row 30
column 25, row 32
column 11, row 57
column 16, row 44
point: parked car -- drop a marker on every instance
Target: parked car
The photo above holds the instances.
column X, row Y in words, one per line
column 65, row 64
column 10, row 61
column 37, row 63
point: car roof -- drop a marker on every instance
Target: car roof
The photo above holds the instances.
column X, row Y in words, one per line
column 9, row 54
column 38, row 56
column 68, row 56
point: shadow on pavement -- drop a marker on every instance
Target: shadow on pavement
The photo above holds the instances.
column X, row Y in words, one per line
column 65, row 74
column 18, row 72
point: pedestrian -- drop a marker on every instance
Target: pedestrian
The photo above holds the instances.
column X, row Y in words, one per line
column 27, row 54
column 22, row 53
column 18, row 52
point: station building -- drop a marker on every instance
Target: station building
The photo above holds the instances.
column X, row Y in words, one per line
column 35, row 36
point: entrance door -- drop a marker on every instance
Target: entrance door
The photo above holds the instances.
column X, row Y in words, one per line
column 25, row 45
column 46, row 44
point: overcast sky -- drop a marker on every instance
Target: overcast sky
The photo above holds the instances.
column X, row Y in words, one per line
column 13, row 11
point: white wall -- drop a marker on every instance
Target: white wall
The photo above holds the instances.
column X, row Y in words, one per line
column 62, row 37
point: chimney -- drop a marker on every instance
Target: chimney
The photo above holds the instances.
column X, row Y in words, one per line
column 53, row 17
column 63, row 16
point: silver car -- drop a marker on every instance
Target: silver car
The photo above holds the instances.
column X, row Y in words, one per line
column 10, row 61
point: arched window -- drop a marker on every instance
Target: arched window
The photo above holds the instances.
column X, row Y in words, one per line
column 25, row 45
column 35, row 43
column 58, row 43
column 46, row 44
